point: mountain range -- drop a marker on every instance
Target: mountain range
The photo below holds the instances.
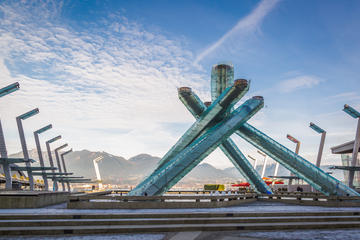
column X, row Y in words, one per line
column 118, row 170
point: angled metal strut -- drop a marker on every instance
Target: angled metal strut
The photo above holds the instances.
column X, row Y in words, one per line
column 302, row 168
column 196, row 107
column 217, row 110
column 175, row 169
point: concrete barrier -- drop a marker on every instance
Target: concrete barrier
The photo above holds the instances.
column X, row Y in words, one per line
column 311, row 199
column 86, row 201
column 31, row 199
column 90, row 223
column 104, row 200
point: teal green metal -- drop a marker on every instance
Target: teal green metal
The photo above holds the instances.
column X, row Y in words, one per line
column 316, row 128
column 196, row 107
column 19, row 168
column 41, row 130
column 81, row 177
column 309, row 172
column 214, row 126
column 51, row 173
column 302, row 168
column 176, row 168
column 9, row 89
column 191, row 101
column 84, row 180
column 15, row 160
column 226, row 100
column 54, row 139
column 222, row 76
column 29, row 114
column 351, row 111
column 229, row 97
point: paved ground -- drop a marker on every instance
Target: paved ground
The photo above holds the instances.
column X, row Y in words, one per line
column 251, row 207
column 353, row 234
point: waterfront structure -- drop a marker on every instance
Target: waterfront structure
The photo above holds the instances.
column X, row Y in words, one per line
column 213, row 127
column 9, row 164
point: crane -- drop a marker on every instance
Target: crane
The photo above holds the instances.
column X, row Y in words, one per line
column 96, row 166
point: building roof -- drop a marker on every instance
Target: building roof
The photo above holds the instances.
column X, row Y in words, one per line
column 344, row 148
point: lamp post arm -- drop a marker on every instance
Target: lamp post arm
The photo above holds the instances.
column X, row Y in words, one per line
column 321, row 148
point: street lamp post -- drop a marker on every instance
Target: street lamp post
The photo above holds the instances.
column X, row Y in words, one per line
column 38, row 147
column 355, row 114
column 297, row 142
column 55, row 185
column 3, row 152
column 264, row 162
column 58, row 162
column 23, row 142
column 276, row 169
column 63, row 162
column 322, row 142
column 255, row 161
column 294, row 140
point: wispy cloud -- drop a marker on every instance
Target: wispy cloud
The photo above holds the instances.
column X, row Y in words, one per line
column 299, row 82
column 345, row 96
column 114, row 75
column 243, row 27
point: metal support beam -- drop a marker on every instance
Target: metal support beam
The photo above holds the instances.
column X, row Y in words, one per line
column 51, row 175
column 58, row 162
column 55, row 185
column 9, row 89
column 264, row 163
column 321, row 148
column 18, row 168
column 174, row 170
column 15, row 160
column 229, row 97
column 193, row 103
column 64, row 166
column 255, row 161
column 297, row 149
column 6, row 165
column 3, row 152
column 303, row 169
column 84, row 180
column 38, row 148
column 322, row 141
column 23, row 142
column 244, row 166
column 347, row 168
column 355, row 114
column 97, row 170
column 277, row 165
column 354, row 161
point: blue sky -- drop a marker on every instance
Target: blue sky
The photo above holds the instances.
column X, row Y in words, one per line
column 105, row 73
